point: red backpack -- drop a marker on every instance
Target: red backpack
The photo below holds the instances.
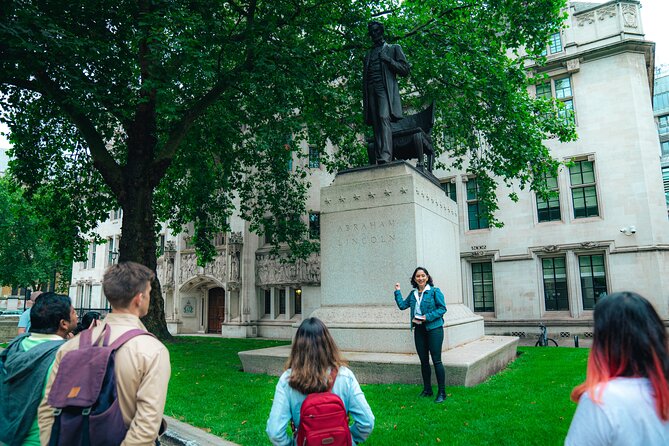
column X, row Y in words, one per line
column 323, row 419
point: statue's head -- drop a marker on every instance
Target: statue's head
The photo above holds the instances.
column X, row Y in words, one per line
column 375, row 31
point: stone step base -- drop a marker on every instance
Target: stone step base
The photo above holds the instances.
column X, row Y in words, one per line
column 466, row 365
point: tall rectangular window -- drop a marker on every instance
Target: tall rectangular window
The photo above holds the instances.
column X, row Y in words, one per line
column 561, row 90
column 665, row 180
column 282, row 301
column 298, row 301
column 555, row 284
column 450, row 190
column 663, row 125
column 555, row 43
column 117, row 213
column 564, row 94
column 593, row 279
column 482, row 286
column 664, row 145
column 314, row 225
column 549, row 210
column 111, row 252
column 475, row 210
column 268, row 301
column 314, row 157
column 583, row 189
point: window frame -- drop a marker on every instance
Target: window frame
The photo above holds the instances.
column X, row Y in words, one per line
column 555, row 200
column 482, row 284
column 582, row 278
column 564, row 287
column 583, row 187
column 481, row 222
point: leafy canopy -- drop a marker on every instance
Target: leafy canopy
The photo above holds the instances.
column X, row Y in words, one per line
column 202, row 103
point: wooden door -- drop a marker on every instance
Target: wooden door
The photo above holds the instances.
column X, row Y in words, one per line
column 216, row 310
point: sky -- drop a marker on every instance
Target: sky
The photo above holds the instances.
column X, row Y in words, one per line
column 654, row 17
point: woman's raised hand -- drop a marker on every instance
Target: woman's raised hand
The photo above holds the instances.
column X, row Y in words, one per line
column 397, row 286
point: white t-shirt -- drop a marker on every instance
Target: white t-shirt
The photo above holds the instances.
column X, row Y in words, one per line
column 626, row 416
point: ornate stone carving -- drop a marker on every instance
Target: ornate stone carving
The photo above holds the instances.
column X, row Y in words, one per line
column 589, row 245
column 586, row 19
column 573, row 65
column 188, row 267
column 550, row 248
column 629, row 16
column 271, row 271
column 236, row 238
column 606, row 12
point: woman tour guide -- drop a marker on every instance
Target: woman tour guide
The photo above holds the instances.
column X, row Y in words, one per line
column 427, row 306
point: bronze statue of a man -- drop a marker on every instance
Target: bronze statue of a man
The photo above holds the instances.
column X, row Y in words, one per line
column 381, row 95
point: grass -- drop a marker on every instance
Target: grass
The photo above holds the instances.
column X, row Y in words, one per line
column 525, row 404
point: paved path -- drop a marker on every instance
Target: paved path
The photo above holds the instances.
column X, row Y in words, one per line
column 182, row 434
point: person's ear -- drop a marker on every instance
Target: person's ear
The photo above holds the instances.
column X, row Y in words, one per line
column 137, row 300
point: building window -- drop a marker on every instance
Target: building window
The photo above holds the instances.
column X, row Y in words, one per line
column 116, row 214
column 593, row 279
column 484, row 298
column 583, row 189
column 90, row 260
column 298, row 301
column 449, row 188
column 314, row 157
column 314, row 225
column 475, row 209
column 663, row 125
column 664, row 145
column 564, row 94
column 555, row 284
column 80, row 296
column 561, row 90
column 282, row 301
column 555, row 43
column 665, row 180
column 549, row 210
column 268, row 301
column 88, row 295
column 111, row 251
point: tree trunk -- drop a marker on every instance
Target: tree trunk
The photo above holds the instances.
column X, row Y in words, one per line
column 138, row 244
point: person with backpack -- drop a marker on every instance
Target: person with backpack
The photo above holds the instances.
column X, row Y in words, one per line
column 118, row 350
column 317, row 393
column 25, row 365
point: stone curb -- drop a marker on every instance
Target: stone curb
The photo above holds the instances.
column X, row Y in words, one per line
column 182, row 434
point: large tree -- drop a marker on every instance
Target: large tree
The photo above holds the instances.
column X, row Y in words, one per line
column 177, row 110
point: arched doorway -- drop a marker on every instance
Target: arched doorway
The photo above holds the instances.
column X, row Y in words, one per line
column 216, row 313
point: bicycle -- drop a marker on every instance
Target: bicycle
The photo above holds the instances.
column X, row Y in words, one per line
column 543, row 338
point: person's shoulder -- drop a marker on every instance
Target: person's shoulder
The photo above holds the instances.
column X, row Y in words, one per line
column 345, row 373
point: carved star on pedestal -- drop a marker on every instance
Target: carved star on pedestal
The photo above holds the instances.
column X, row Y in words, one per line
column 371, row 195
column 387, row 192
column 403, row 190
column 328, row 201
column 356, row 197
column 342, row 198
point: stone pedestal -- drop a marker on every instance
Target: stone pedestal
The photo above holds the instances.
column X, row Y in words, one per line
column 377, row 225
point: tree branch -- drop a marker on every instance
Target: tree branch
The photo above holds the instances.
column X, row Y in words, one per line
column 102, row 159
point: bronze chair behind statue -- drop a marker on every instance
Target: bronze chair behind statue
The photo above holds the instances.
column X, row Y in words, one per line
column 411, row 139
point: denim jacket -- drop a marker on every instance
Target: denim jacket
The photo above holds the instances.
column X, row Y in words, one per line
column 288, row 401
column 433, row 306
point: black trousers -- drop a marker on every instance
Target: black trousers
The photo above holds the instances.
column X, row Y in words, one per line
column 428, row 343
column 383, row 132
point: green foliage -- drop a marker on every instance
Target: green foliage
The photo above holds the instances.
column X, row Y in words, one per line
column 31, row 253
column 195, row 103
column 208, row 390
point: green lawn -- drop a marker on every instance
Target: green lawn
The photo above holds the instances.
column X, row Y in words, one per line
column 526, row 404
